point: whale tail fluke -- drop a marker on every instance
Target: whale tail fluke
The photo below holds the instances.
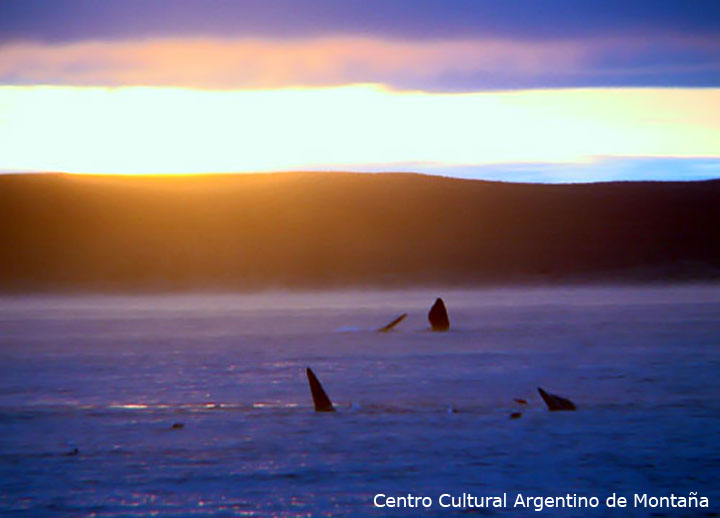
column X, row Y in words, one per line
column 320, row 398
column 555, row 402
column 392, row 324
column 438, row 316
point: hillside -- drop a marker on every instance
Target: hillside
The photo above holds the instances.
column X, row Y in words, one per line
column 227, row 232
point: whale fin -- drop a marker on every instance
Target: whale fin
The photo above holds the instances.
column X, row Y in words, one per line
column 320, row 398
column 555, row 402
column 392, row 324
column 438, row 316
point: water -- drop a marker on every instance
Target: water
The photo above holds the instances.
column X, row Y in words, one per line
column 110, row 376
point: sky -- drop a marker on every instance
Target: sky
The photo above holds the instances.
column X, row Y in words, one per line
column 547, row 91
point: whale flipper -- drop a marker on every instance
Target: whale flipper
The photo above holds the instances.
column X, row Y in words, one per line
column 392, row 324
column 438, row 316
column 554, row 402
column 320, row 398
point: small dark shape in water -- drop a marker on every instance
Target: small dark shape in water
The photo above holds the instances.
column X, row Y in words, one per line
column 555, row 402
column 392, row 324
column 320, row 398
column 178, row 426
column 73, row 452
column 516, row 415
column 520, row 401
column 438, row 316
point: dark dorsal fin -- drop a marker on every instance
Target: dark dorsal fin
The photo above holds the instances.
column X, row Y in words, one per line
column 320, row 398
column 392, row 324
column 438, row 316
column 554, row 402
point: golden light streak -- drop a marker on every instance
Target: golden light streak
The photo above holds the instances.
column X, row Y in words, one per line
column 136, row 130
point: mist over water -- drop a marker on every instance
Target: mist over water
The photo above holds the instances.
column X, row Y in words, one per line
column 111, row 374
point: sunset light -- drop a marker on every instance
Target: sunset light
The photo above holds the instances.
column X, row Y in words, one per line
column 368, row 258
column 135, row 130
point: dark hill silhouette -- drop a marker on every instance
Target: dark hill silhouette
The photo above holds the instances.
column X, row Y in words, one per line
column 229, row 232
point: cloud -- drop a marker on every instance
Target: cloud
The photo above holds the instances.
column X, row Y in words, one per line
column 443, row 65
column 83, row 20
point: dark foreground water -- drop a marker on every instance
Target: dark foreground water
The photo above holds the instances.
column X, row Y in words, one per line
column 110, row 375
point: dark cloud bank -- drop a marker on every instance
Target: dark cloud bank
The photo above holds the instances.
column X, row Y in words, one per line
column 73, row 20
column 640, row 43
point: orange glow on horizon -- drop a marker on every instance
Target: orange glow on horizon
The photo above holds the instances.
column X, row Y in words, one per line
column 144, row 130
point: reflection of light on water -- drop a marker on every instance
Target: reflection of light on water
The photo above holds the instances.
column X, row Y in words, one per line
column 275, row 405
column 637, row 372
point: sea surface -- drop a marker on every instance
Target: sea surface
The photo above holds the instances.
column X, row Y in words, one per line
column 419, row 413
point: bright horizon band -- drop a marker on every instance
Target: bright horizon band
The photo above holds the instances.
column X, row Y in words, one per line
column 153, row 130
